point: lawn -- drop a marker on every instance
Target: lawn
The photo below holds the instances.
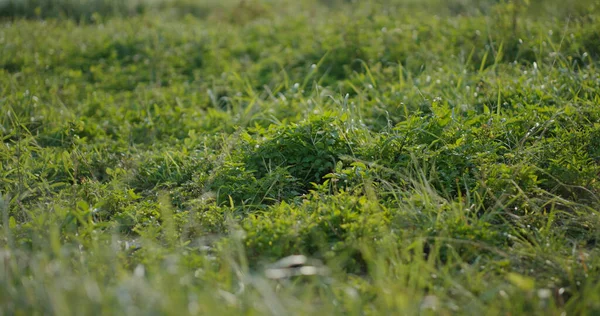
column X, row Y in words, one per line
column 389, row 157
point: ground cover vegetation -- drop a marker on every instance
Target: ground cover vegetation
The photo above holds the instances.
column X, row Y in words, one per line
column 418, row 157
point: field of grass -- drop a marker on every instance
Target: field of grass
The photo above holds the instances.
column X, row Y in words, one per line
column 401, row 157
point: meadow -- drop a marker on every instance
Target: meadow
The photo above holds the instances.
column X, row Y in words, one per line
column 388, row 157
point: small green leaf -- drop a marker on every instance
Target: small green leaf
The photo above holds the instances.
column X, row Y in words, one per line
column 12, row 223
column 523, row 282
column 359, row 164
column 83, row 206
column 133, row 195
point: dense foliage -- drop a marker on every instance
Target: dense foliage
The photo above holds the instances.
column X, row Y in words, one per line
column 434, row 157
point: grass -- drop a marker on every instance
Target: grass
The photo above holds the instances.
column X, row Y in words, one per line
column 419, row 157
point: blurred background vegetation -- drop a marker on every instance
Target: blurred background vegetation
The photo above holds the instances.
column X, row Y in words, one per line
column 242, row 10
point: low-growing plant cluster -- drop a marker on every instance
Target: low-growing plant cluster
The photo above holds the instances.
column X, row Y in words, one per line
column 400, row 157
